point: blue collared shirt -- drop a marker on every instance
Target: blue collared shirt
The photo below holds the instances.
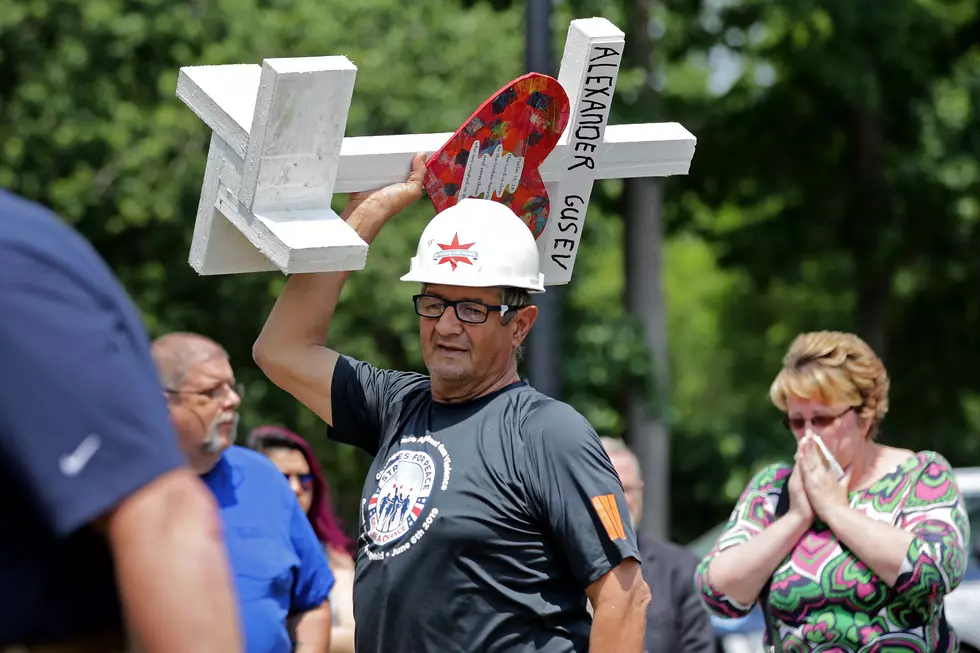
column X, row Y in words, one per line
column 280, row 567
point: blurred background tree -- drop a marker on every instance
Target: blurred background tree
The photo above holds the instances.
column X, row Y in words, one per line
column 835, row 185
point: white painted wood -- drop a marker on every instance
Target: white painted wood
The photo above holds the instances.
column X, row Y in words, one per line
column 298, row 127
column 223, row 97
column 265, row 201
column 589, row 69
column 278, row 154
column 643, row 150
column 303, row 240
column 218, row 245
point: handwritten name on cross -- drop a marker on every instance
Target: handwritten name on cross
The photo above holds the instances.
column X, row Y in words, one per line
column 278, row 155
column 589, row 69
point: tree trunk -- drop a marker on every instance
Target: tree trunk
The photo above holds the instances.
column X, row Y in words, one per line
column 873, row 267
column 647, row 417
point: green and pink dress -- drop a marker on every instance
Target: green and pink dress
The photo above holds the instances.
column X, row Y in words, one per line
column 824, row 599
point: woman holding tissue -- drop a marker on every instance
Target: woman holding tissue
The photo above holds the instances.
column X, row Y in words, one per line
column 857, row 561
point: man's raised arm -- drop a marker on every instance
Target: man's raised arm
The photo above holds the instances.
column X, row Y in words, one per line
column 291, row 350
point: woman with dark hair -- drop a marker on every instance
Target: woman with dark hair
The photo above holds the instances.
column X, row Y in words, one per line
column 295, row 459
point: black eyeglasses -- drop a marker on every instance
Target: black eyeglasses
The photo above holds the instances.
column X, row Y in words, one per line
column 217, row 392
column 819, row 422
column 468, row 311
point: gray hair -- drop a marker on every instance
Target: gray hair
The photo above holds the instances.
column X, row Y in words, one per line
column 174, row 353
column 515, row 298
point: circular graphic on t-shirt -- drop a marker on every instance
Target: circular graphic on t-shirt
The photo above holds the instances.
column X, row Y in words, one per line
column 403, row 490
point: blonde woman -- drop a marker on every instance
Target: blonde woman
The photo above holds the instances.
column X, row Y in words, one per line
column 856, row 564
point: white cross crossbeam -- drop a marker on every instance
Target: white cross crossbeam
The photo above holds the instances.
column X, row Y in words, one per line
column 278, row 155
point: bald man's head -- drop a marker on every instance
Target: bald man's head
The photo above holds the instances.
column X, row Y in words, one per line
column 201, row 393
column 629, row 472
column 175, row 353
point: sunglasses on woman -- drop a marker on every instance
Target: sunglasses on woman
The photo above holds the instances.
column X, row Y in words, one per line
column 305, row 480
column 819, row 422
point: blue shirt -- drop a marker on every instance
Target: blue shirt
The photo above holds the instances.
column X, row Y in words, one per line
column 83, row 424
column 280, row 567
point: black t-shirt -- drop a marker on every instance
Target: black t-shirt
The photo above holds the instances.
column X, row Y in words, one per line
column 481, row 523
column 83, row 424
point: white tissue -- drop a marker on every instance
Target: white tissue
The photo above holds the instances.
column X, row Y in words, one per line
column 834, row 465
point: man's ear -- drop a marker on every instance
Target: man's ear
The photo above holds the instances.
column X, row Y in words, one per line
column 526, row 317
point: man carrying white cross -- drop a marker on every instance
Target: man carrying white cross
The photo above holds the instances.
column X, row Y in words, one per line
column 491, row 511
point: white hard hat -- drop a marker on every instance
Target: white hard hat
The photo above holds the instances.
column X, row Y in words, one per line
column 477, row 243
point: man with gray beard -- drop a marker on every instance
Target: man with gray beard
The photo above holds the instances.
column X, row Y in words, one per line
column 280, row 568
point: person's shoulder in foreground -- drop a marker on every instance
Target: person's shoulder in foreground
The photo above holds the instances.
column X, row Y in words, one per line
column 78, row 341
column 29, row 229
column 85, row 440
column 20, row 219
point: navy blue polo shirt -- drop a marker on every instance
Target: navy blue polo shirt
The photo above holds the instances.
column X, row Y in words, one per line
column 83, row 424
column 279, row 564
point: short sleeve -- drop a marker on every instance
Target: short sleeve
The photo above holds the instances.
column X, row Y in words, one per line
column 935, row 513
column 314, row 580
column 83, row 420
column 363, row 397
column 753, row 512
column 575, row 492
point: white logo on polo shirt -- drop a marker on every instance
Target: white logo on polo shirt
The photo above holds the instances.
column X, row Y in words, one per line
column 75, row 462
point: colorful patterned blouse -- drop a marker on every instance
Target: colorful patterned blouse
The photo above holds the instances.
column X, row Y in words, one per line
column 825, row 599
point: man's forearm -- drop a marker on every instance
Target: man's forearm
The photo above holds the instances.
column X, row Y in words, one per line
column 303, row 312
column 618, row 629
column 312, row 630
column 342, row 639
column 172, row 569
column 306, row 306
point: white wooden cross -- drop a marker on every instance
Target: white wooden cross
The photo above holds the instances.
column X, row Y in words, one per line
column 278, row 154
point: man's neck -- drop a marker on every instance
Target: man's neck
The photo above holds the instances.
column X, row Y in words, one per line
column 461, row 393
column 207, row 464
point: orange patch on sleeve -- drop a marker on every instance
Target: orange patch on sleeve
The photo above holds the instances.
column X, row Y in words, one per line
column 605, row 506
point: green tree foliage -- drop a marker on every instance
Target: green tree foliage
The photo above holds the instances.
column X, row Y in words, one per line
column 834, row 185
column 90, row 126
column 836, row 176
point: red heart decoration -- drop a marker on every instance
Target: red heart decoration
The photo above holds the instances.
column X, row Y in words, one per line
column 496, row 153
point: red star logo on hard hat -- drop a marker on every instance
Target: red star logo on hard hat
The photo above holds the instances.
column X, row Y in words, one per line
column 454, row 246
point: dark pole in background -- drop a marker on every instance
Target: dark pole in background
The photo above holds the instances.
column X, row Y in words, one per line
column 544, row 342
column 649, row 434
